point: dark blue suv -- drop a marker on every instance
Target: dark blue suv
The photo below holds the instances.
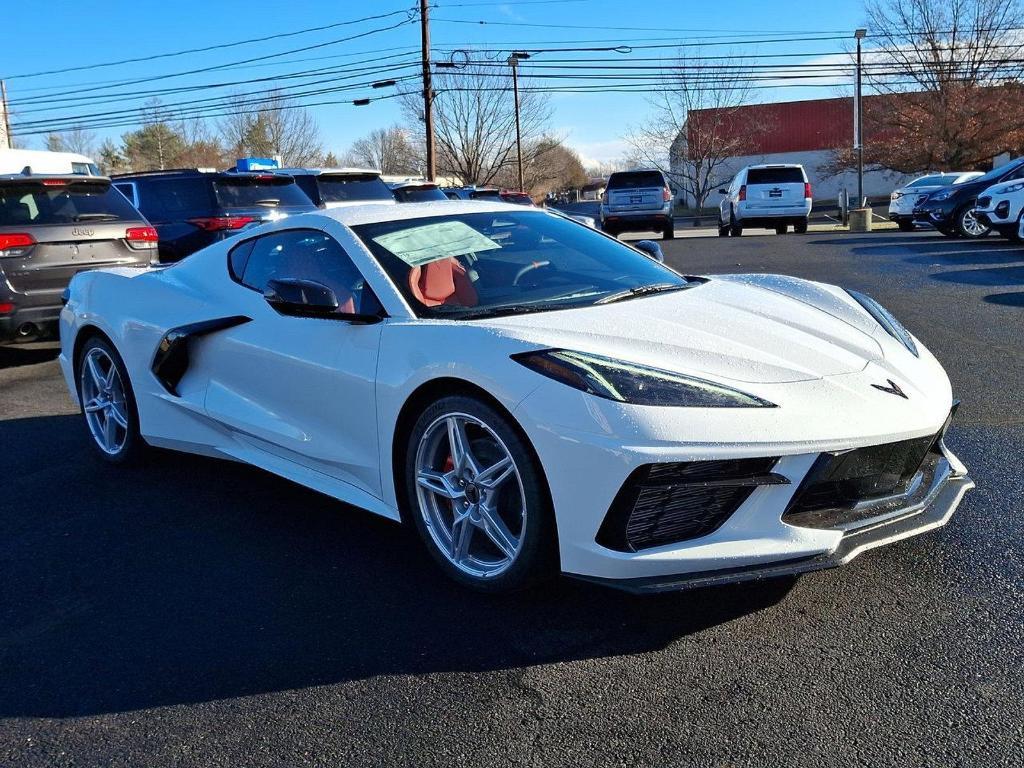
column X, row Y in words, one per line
column 191, row 208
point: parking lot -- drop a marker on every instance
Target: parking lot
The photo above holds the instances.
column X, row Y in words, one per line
column 197, row 612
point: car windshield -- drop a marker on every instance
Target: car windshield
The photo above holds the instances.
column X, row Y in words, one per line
column 997, row 173
column 775, row 176
column 484, row 264
column 416, row 194
column 352, row 186
column 34, row 203
column 933, row 181
column 263, row 191
column 635, row 179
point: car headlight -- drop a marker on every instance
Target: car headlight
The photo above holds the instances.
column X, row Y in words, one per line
column 1013, row 188
column 885, row 319
column 632, row 383
column 940, row 196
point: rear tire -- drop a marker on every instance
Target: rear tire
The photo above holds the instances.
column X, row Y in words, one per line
column 107, row 403
column 800, row 227
column 906, row 226
column 669, row 233
column 735, row 228
column 498, row 539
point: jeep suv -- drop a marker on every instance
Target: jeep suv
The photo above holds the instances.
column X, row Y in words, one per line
column 765, row 197
column 637, row 201
column 191, row 208
column 51, row 228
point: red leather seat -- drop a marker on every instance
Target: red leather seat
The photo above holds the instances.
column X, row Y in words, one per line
column 442, row 282
column 346, row 302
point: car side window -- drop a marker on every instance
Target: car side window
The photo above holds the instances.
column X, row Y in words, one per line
column 302, row 254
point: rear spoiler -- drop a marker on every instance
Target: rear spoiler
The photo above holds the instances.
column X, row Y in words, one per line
column 51, row 179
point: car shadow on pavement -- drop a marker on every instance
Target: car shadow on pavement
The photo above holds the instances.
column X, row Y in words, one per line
column 186, row 579
column 991, row 276
column 1006, row 299
column 16, row 356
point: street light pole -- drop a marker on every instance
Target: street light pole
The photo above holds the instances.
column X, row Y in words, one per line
column 860, row 35
column 513, row 61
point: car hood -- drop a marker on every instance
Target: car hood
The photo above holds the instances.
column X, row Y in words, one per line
column 1000, row 188
column 743, row 328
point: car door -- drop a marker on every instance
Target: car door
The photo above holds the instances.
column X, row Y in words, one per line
column 301, row 389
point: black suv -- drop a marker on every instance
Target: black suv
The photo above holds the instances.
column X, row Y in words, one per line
column 192, row 209
column 52, row 227
column 337, row 187
column 951, row 210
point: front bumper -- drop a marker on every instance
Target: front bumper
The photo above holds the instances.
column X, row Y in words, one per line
column 931, row 510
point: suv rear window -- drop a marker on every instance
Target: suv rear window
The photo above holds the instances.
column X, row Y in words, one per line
column 258, row 191
column 31, row 203
column 348, row 187
column 775, row 176
column 634, row 179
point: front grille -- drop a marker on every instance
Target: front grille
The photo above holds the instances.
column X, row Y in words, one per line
column 984, row 202
column 666, row 503
column 838, row 482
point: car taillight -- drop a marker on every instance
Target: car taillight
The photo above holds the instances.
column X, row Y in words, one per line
column 15, row 244
column 141, row 237
column 218, row 223
column 6, row 308
column 666, row 194
column 807, row 189
column 743, row 193
column 54, row 183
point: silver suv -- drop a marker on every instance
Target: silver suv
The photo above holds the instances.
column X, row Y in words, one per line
column 51, row 228
column 637, row 201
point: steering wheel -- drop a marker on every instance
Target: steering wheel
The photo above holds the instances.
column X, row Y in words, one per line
column 529, row 268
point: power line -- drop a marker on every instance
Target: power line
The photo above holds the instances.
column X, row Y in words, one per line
column 219, row 46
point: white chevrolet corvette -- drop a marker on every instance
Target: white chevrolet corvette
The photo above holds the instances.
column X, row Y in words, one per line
column 530, row 393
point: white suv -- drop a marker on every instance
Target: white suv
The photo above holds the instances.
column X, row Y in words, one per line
column 1001, row 206
column 766, row 197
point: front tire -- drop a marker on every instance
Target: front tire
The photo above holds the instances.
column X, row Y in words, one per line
column 781, row 229
column 905, row 226
column 478, row 497
column 723, row 228
column 968, row 225
column 108, row 402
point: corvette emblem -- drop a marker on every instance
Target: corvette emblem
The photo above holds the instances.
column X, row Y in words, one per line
column 892, row 389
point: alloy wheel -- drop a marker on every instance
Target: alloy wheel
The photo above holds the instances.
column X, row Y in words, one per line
column 103, row 401
column 972, row 226
column 470, row 495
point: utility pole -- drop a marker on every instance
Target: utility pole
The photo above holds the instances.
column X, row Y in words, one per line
column 428, row 92
column 513, row 61
column 860, row 34
column 8, row 139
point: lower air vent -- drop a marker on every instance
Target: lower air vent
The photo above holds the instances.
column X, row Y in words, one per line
column 666, row 503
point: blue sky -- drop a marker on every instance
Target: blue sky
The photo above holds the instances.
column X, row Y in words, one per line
column 71, row 34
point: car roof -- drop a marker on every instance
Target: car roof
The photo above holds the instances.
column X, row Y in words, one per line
column 333, row 171
column 69, row 177
column 372, row 213
column 774, row 165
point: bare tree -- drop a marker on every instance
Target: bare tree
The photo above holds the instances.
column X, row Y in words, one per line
column 474, row 120
column 274, row 125
column 947, row 79
column 389, row 150
column 692, row 132
column 551, row 167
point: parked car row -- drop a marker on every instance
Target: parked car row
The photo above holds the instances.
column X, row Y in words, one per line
column 968, row 205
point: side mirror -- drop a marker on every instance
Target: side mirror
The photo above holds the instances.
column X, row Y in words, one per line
column 308, row 298
column 723, row 191
column 651, row 248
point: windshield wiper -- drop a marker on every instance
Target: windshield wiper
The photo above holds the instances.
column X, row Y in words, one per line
column 512, row 309
column 642, row 290
column 96, row 217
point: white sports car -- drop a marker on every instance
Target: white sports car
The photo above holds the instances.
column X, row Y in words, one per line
column 530, row 393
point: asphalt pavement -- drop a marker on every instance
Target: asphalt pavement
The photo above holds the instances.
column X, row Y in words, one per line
column 193, row 612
